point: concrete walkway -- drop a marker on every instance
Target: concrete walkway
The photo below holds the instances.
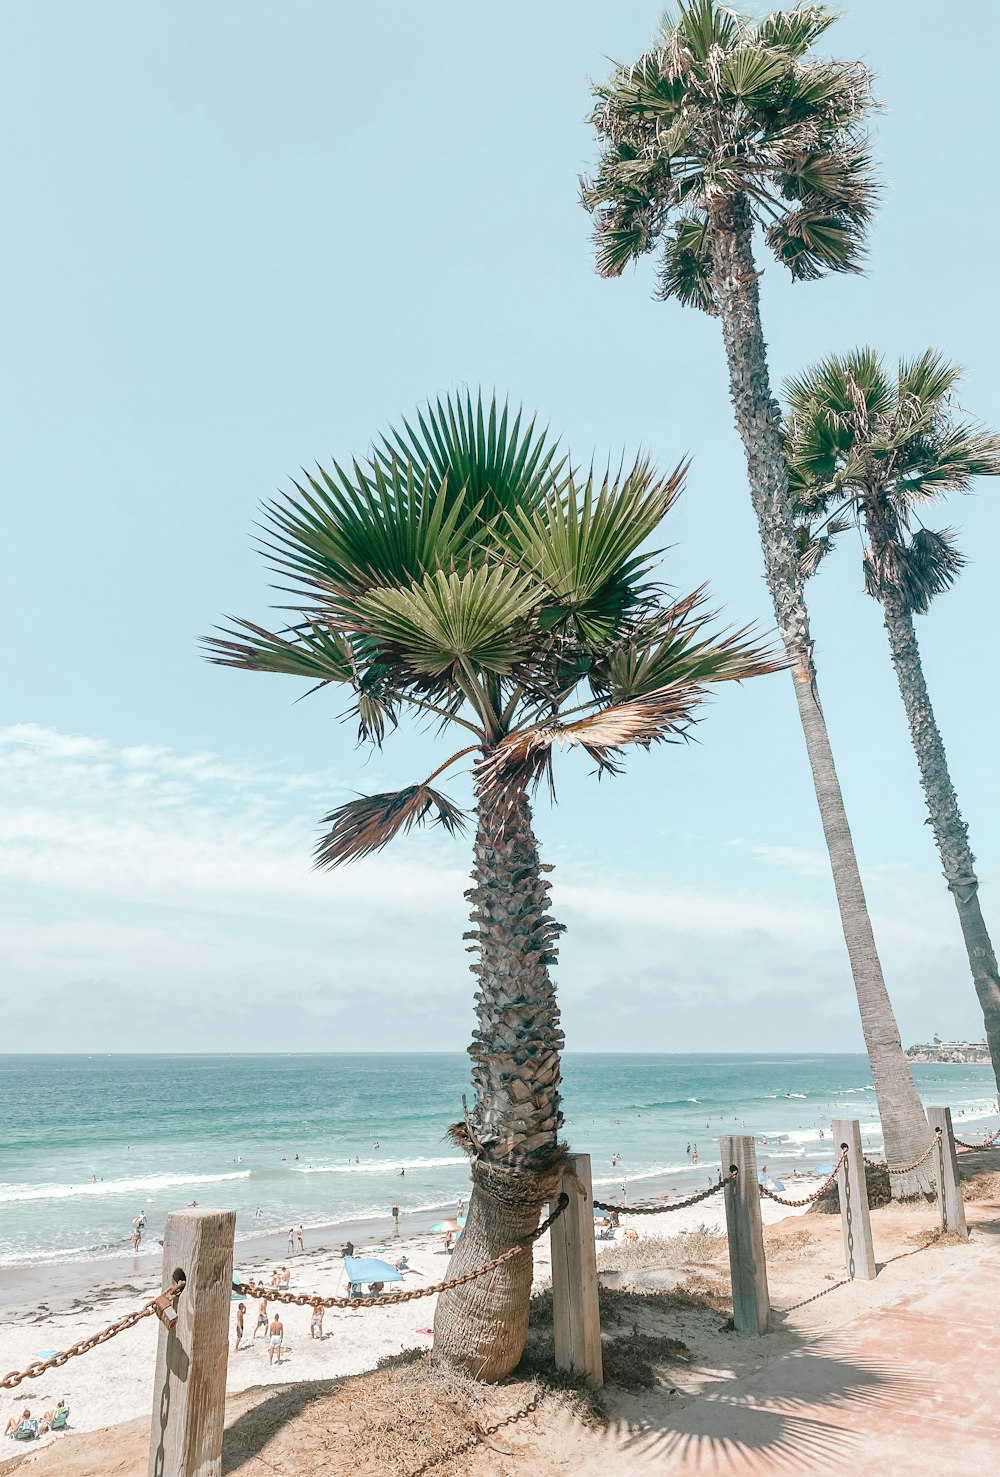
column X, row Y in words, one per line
column 907, row 1391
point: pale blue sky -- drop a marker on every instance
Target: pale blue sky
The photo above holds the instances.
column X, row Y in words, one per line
column 242, row 237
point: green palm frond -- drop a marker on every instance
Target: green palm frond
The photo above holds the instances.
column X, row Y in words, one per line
column 686, row 268
column 451, row 623
column 496, row 460
column 752, row 72
column 582, row 546
column 795, row 30
column 677, row 648
column 364, row 826
column 308, row 650
column 346, row 532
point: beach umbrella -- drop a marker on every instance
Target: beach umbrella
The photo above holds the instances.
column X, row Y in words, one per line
column 771, row 1184
column 451, row 1225
column 823, row 1169
column 370, row 1269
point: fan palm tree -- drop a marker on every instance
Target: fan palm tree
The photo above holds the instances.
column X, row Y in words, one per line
column 875, row 449
column 465, row 574
column 725, row 125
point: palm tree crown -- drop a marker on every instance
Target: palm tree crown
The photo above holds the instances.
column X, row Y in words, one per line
column 719, row 111
column 874, row 448
column 465, row 572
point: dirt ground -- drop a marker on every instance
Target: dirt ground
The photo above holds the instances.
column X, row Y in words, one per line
column 668, row 1342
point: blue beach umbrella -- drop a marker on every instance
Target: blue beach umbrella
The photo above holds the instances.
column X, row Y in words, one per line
column 823, row 1169
column 771, row 1184
column 370, row 1269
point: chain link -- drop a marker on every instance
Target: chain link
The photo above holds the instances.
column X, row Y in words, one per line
column 83, row 1346
column 987, row 1143
column 390, row 1299
column 810, row 1199
column 662, row 1209
column 923, row 1158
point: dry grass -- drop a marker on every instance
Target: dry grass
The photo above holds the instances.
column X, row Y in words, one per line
column 696, row 1247
column 982, row 1187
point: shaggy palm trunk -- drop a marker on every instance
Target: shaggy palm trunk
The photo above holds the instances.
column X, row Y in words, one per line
column 512, row 1131
column 950, row 831
column 734, row 286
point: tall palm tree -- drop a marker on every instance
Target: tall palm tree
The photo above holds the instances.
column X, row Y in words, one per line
column 876, row 449
column 465, row 574
column 721, row 126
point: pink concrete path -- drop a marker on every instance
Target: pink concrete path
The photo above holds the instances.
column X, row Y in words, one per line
column 908, row 1391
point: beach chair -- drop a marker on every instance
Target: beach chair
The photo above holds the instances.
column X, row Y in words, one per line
column 605, row 1233
column 26, row 1431
column 60, row 1420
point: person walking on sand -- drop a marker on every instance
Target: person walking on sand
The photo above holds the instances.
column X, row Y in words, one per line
column 461, row 1208
column 300, row 1238
column 241, row 1312
column 261, row 1317
column 291, row 1238
column 316, row 1322
column 276, row 1334
column 395, row 1220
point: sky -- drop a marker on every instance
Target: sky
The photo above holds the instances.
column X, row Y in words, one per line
column 243, row 238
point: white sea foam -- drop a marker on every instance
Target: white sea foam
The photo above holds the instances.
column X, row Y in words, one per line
column 138, row 1186
column 387, row 1166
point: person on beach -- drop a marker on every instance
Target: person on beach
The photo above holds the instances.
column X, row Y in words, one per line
column 300, row 1238
column 137, row 1238
column 16, row 1420
column 275, row 1278
column 241, row 1312
column 291, row 1239
column 449, row 1241
column 461, row 1208
column 286, row 1279
column 395, row 1220
column 316, row 1322
column 276, row 1335
column 261, row 1317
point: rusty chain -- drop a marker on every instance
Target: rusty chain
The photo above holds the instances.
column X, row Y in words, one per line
column 923, row 1158
column 987, row 1143
column 37, row 1367
column 662, row 1209
column 810, row 1199
column 390, row 1299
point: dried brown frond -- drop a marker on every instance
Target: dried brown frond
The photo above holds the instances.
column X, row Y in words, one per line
column 367, row 824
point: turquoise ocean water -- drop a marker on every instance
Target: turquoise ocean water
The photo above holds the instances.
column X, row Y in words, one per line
column 88, row 1142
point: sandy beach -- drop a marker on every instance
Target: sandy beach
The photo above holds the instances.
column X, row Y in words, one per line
column 112, row 1384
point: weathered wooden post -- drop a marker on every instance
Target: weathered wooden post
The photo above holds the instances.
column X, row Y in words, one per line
column 189, row 1388
column 751, row 1303
column 575, row 1312
column 852, row 1188
column 950, row 1203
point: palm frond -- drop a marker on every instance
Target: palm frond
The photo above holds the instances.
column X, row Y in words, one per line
column 367, row 824
column 794, row 30
column 686, row 267
column 498, row 460
column 582, row 546
column 450, row 622
column 914, row 571
column 308, row 650
column 524, row 757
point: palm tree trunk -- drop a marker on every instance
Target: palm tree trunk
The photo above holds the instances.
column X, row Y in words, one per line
column 512, row 1131
column 950, row 831
column 734, row 285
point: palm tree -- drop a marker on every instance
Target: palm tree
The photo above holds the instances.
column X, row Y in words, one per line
column 721, row 126
column 876, row 450
column 465, row 574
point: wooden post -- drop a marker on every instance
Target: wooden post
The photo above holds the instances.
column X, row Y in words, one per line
column 575, row 1311
column 950, row 1203
column 852, row 1187
column 189, row 1389
column 751, row 1303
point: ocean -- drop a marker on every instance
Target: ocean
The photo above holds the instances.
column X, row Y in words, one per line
column 88, row 1142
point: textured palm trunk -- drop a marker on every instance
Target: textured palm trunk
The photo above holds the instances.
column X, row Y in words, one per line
column 512, row 1129
column 950, row 830
column 734, row 285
